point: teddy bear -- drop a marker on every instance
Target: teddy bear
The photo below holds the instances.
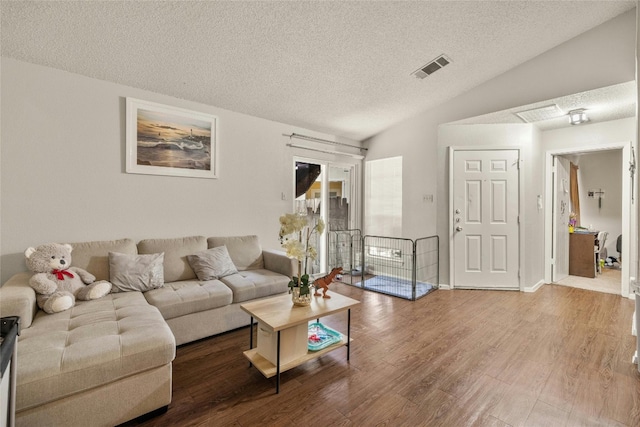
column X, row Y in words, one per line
column 57, row 284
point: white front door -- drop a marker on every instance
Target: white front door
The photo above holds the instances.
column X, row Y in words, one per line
column 561, row 210
column 485, row 219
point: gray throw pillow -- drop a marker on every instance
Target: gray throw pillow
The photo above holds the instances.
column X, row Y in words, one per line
column 136, row 272
column 212, row 264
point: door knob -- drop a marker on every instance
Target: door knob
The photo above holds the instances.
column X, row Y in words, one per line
column 458, row 228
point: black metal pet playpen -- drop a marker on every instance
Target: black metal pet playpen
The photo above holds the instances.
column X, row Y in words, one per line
column 400, row 267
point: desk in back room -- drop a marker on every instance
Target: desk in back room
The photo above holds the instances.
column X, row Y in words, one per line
column 582, row 257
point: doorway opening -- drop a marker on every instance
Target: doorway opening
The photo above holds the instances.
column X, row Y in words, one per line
column 604, row 225
column 327, row 191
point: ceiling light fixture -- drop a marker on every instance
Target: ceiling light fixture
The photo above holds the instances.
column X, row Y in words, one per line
column 578, row 116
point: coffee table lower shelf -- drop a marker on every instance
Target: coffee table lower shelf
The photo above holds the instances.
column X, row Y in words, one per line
column 268, row 369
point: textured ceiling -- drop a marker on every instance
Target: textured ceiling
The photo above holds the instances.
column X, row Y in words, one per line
column 338, row 67
column 601, row 105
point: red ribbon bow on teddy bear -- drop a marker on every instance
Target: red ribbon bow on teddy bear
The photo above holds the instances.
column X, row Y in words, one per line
column 61, row 273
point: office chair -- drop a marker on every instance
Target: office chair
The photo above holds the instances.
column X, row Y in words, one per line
column 619, row 247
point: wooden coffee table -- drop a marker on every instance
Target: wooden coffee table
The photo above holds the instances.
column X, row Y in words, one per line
column 278, row 314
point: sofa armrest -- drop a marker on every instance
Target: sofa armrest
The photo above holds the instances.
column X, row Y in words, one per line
column 279, row 262
column 17, row 298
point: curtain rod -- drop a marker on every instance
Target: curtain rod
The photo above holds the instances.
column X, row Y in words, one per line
column 340, row 153
column 323, row 141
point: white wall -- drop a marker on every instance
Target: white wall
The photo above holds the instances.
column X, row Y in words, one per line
column 581, row 64
column 589, row 135
column 415, row 143
column 602, row 171
column 63, row 176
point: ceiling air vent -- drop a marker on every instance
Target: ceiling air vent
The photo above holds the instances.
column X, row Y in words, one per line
column 431, row 67
column 539, row 114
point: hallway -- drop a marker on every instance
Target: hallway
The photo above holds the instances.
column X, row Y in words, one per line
column 609, row 281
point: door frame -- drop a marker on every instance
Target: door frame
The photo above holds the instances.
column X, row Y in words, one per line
column 629, row 221
column 554, row 236
column 356, row 194
column 521, row 211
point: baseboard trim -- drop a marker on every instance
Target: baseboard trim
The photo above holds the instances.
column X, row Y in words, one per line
column 534, row 287
column 531, row 289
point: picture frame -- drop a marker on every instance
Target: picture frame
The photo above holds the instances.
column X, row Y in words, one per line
column 166, row 140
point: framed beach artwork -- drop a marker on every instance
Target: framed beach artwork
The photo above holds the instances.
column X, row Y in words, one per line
column 164, row 140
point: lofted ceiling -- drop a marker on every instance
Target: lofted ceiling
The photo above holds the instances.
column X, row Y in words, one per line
column 344, row 68
column 601, row 105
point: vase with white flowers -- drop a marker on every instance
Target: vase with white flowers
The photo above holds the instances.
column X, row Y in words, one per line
column 296, row 232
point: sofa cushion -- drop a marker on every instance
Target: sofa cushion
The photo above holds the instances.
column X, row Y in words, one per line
column 94, row 256
column 189, row 296
column 135, row 272
column 92, row 344
column 212, row 263
column 247, row 285
column 245, row 251
column 176, row 266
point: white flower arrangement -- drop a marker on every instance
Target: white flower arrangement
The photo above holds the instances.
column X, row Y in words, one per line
column 295, row 234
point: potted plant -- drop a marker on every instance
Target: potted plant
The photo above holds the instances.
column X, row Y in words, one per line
column 295, row 235
column 573, row 219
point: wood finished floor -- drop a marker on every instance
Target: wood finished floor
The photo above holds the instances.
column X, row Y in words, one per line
column 557, row 357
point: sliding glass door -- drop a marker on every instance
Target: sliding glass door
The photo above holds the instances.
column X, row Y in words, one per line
column 325, row 190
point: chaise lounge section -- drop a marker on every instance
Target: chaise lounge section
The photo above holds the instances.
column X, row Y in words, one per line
column 107, row 361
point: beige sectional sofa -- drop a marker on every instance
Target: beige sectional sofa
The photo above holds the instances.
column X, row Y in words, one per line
column 107, row 361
